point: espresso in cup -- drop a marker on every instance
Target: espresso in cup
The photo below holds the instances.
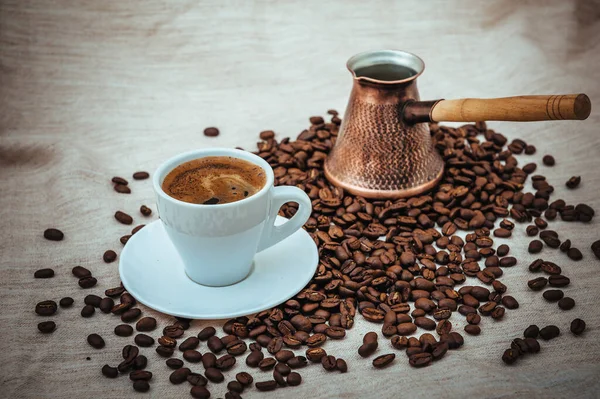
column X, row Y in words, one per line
column 214, row 180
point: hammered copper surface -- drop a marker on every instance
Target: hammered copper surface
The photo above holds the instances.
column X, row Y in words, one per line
column 378, row 155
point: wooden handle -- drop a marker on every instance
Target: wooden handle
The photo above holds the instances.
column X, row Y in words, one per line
column 520, row 108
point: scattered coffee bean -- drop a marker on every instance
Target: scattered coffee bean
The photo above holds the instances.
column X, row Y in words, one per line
column 573, row 182
column 110, row 372
column 566, row 303
column 548, row 160
column 173, row 331
column 95, row 341
column 341, row 365
column 124, row 218
column 192, row 356
column 81, row 272
column 164, row 351
column 558, row 281
column 532, row 331
column 421, row 359
column 106, row 305
column 510, row 356
column 144, row 210
column 383, row 360
column 119, row 180
column 93, row 300
column 189, row 344
column 577, row 326
column 180, row 374
column 244, row 378
column 267, row 134
column 199, row 392
column 472, row 329
column 503, row 250
column 254, row 358
column 130, row 315
column 125, row 238
column 87, row 282
column 214, row 375
column 509, row 302
column 66, row 302
column 53, row 235
column 146, row 324
column 206, row 333
column 109, row 256
column 140, row 375
column 565, row 246
column 596, row 248
column 43, row 273
column 46, row 308
column 549, row 332
column 46, row 327
column 123, row 330
column 141, row 386
column 266, row 385
column 329, row 362
column 141, row 175
column 174, row 363
column 294, row 379
column 537, row 283
column 143, row 340
column 532, row 230
column 211, row 132
column 122, row 189
column 553, row 295
column 209, row 360
column 535, row 247
column 214, row 344
column 574, row 254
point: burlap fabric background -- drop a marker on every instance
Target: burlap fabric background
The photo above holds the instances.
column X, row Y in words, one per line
column 93, row 89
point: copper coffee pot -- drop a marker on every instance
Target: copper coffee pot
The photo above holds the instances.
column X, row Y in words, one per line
column 384, row 150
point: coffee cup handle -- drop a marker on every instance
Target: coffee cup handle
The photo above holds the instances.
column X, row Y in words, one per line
column 272, row 234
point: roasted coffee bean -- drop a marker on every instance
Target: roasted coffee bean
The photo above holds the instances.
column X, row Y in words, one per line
column 141, row 386
column 314, row 354
column 510, row 356
column 550, row 241
column 275, row 345
column 110, row 372
column 420, row 359
column 574, row 254
column 144, row 210
column 548, row 160
column 472, row 329
column 114, row 292
column 565, row 246
column 122, row 189
column 146, row 324
column 558, row 281
column 140, row 375
column 508, row 261
column 235, row 386
column 87, row 282
column 46, row 308
column 46, row 327
column 214, row 375
column 43, row 273
column 180, row 375
column 244, row 378
column 53, row 235
column 294, row 379
column 549, row 332
column 297, row 362
column 519, row 345
column 124, row 218
column 577, row 326
column 173, row 331
column 125, row 238
column 66, row 302
column 123, row 330
column 140, row 362
column 106, row 305
column 267, row 363
column 266, row 385
column 143, row 340
column 596, row 248
column 341, row 365
column 174, row 363
column 211, row 132
column 498, row 313
column 502, row 250
column 509, row 302
column 285, row 355
column 197, row 379
column 283, row 369
column 383, row 360
column 532, row 345
column 236, row 347
column 535, row 247
column 573, row 182
column 95, row 341
column 167, row 341
column 553, row 295
column 119, row 180
column 425, row 323
column 335, row 332
column 472, row 318
column 130, row 315
column 192, row 356
column 225, row 362
column 109, row 256
column 164, row 351
column 532, row 331
column 329, row 362
column 141, row 175
column 189, row 343
column 537, row 283
column 214, row 344
column 206, row 333
column 368, row 349
column 566, row 303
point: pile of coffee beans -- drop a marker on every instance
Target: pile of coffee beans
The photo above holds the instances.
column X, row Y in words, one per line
column 400, row 264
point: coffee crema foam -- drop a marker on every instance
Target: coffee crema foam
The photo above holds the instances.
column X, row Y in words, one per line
column 214, row 180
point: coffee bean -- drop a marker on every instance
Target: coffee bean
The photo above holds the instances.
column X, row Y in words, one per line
column 532, row 331
column 577, row 326
column 146, row 324
column 119, row 180
column 510, row 356
column 519, row 345
column 167, row 341
column 596, row 248
column 189, row 343
column 214, row 344
column 406, row 328
column 548, row 160
column 110, row 372
column 43, row 273
column 425, row 323
column 244, row 378
column 368, row 349
column 130, row 315
column 235, row 386
column 329, row 362
column 125, row 238
column 211, row 132
column 583, row 212
column 267, row 363
column 140, row 375
column 535, row 247
column 109, row 256
column 420, row 359
column 174, row 363
column 123, row 330
column 164, row 351
column 225, row 362
column 533, row 346
column 341, row 365
column 574, row 254
column 143, row 340
column 236, row 347
column 66, row 302
column 197, row 379
column 509, row 302
column 383, row 360
column 106, row 305
column 282, row 369
column 553, row 295
column 209, row 360
column 95, row 341
column 46, row 308
column 92, row 300
column 214, row 375
column 173, row 331
column 53, row 235
column 192, row 356
column 502, row 250
column 141, row 175
column 558, row 281
column 537, row 283
column 549, row 332
column 472, row 318
column 508, row 261
column 254, row 358
column 46, row 327
column 206, row 333
column 472, row 329
column 180, row 375
column 532, row 230
column 566, row 303
column 124, row 218
column 141, row 386
column 87, row 282
column 122, row 189
column 294, row 379
column 297, row 362
column 266, row 385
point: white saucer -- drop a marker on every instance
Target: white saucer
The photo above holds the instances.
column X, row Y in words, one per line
column 151, row 270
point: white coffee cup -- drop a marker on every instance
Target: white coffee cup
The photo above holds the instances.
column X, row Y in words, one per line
column 217, row 243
